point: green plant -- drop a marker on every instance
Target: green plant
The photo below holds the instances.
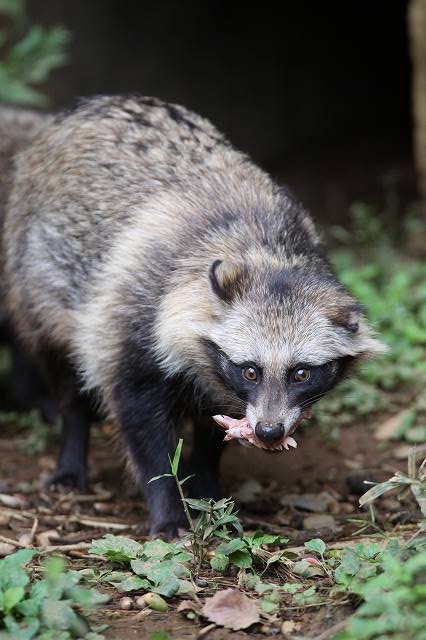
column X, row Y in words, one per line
column 247, row 552
column 394, row 606
column 392, row 285
column 214, row 516
column 414, row 481
column 47, row 608
column 29, row 55
column 155, row 566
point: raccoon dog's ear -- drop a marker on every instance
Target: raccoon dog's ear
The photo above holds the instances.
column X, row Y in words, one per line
column 348, row 317
column 355, row 313
column 226, row 279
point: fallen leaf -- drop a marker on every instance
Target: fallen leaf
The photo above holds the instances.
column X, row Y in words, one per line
column 390, row 427
column 401, row 452
column 231, row 609
column 187, row 605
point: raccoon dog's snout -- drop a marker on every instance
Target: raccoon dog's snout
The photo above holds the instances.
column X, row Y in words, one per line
column 270, row 433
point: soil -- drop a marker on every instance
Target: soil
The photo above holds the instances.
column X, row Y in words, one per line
column 317, row 465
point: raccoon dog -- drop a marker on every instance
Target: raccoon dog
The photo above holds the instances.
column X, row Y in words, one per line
column 171, row 278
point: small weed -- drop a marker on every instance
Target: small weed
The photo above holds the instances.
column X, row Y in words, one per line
column 393, row 288
column 214, row 517
column 394, row 601
column 48, row 608
column 414, row 481
column 155, row 566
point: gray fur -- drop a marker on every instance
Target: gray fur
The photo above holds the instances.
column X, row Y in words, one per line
column 17, row 128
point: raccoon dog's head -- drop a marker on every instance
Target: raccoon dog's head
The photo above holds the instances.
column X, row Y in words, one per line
column 280, row 340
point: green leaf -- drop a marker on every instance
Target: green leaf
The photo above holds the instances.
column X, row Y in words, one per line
column 226, row 548
column 159, row 635
column 58, row 614
column 176, row 457
column 25, row 630
column 158, row 549
column 199, row 505
column 260, row 539
column 316, row 545
column 267, row 606
column 219, row 562
column 241, row 559
column 303, row 568
column 291, row 587
column 116, row 548
column 163, row 475
column 350, row 563
column 168, row 586
column 133, row 583
column 12, row 597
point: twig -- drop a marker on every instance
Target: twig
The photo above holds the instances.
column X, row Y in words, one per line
column 330, row 633
column 102, row 524
column 206, row 630
column 78, row 546
column 15, row 543
column 33, row 530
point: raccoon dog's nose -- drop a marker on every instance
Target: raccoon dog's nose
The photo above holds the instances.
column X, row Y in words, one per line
column 269, row 433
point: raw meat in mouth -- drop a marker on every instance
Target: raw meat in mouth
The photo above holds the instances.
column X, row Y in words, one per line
column 241, row 430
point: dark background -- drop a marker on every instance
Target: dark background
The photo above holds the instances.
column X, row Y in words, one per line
column 318, row 93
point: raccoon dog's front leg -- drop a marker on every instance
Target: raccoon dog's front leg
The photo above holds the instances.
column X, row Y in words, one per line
column 205, row 458
column 147, row 416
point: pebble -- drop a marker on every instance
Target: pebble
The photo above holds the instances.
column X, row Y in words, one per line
column 317, row 502
column 140, row 602
column 319, row 521
column 126, row 603
column 104, row 507
column 201, row 582
column 6, row 549
column 12, row 502
column 4, row 520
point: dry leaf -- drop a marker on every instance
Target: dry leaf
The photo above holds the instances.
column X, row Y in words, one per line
column 387, row 429
column 187, row 605
column 231, row 609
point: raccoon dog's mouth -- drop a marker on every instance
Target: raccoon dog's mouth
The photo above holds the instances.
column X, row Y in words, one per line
column 241, row 430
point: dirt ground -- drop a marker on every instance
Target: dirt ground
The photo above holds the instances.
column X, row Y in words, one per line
column 337, row 468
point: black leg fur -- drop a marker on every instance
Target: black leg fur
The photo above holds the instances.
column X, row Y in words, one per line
column 77, row 416
column 205, row 458
column 148, row 411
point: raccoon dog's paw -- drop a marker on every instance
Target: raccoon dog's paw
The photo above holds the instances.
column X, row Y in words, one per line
column 68, row 477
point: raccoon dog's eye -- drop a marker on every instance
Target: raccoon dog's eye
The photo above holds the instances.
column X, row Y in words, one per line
column 250, row 374
column 301, row 375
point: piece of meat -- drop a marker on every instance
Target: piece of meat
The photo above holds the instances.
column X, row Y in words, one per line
column 242, row 431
